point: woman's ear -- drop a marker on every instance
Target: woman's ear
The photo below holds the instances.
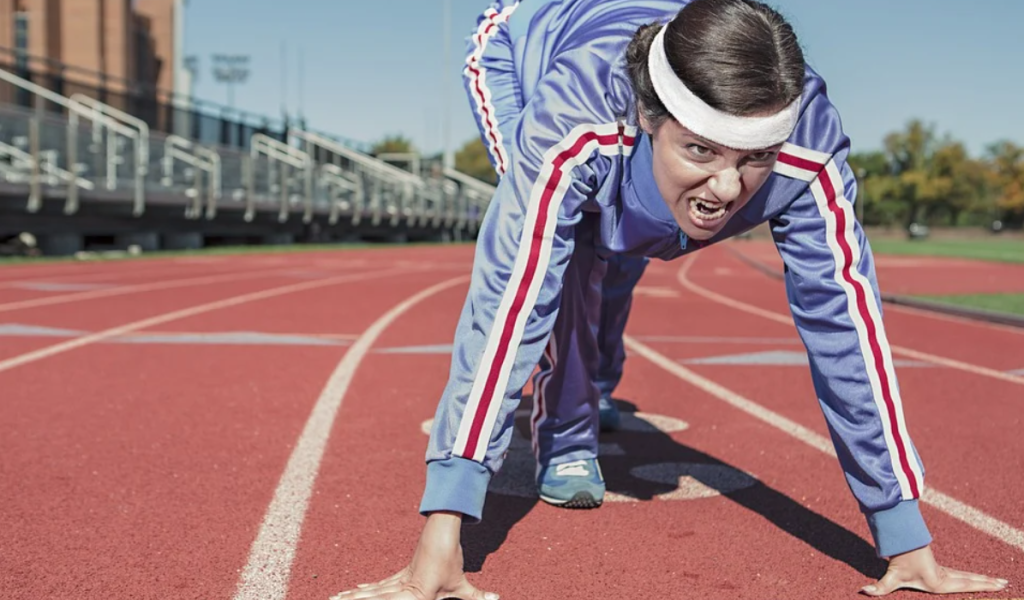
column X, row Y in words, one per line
column 645, row 123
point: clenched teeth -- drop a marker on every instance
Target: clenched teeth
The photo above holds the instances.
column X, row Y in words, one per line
column 708, row 211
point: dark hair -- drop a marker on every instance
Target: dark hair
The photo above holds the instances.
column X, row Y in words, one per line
column 738, row 56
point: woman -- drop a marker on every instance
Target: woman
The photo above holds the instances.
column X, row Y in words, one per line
column 616, row 137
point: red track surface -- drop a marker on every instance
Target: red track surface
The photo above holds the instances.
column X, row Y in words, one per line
column 924, row 275
column 145, row 471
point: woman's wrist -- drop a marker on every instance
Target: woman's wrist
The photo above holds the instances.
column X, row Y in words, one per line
column 446, row 524
column 445, row 516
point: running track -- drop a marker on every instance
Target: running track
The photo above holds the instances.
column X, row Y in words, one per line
column 251, row 427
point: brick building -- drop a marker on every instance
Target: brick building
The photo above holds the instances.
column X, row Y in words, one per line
column 112, row 45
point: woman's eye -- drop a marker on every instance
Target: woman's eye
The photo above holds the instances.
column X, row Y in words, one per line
column 761, row 157
column 699, row 151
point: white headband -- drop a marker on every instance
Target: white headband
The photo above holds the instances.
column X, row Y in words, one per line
column 741, row 133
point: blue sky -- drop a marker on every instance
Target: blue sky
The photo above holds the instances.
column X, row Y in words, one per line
column 376, row 67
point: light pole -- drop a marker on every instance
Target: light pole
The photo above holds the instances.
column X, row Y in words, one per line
column 447, row 159
column 301, row 75
column 231, row 69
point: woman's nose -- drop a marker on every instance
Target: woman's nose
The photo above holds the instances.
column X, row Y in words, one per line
column 726, row 185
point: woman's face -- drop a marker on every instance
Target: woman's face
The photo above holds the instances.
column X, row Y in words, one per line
column 703, row 183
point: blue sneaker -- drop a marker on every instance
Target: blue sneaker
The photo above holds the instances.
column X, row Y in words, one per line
column 576, row 484
column 608, row 414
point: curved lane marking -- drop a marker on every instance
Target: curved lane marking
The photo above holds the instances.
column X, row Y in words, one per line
column 266, row 574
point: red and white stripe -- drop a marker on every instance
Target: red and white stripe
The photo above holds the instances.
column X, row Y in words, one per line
column 478, row 83
column 827, row 186
column 800, row 163
column 540, row 392
column 528, row 272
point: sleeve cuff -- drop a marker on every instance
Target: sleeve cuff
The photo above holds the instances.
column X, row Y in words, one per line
column 458, row 485
column 899, row 529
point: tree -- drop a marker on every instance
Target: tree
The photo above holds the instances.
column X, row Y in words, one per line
column 472, row 159
column 931, row 178
column 393, row 144
column 921, row 176
column 874, row 185
column 909, row 153
column 911, row 149
column 1006, row 161
column 957, row 183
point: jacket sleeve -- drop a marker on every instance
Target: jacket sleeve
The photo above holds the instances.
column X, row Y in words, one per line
column 491, row 83
column 834, row 298
column 559, row 160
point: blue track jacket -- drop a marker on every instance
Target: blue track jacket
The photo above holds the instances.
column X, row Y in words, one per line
column 547, row 79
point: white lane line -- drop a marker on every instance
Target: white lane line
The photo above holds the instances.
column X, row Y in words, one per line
column 79, row 273
column 959, row 365
column 655, row 292
column 134, row 289
column 19, row 330
column 323, row 336
column 67, row 276
column 684, row 279
column 91, row 338
column 58, row 286
column 697, row 339
column 750, row 407
column 943, row 503
column 266, row 574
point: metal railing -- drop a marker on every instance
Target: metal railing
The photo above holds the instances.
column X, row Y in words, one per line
column 389, row 189
column 89, row 145
column 140, row 141
column 475, row 196
column 280, row 157
column 200, row 160
column 393, row 193
column 363, row 161
column 334, row 181
column 49, row 172
column 76, row 109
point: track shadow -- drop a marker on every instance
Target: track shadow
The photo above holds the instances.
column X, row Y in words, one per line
column 643, row 463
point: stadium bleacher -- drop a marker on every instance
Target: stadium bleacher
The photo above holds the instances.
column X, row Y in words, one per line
column 77, row 173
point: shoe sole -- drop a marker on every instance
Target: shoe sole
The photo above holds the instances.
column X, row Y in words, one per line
column 582, row 500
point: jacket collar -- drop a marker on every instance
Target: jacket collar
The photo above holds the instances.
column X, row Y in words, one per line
column 642, row 180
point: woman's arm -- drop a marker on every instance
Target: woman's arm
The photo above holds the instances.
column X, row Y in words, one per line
column 834, row 297
column 563, row 146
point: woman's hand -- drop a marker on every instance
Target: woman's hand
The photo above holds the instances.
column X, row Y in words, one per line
column 435, row 571
column 917, row 570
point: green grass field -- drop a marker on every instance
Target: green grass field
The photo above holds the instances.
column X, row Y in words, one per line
column 1010, row 250
column 1004, row 303
column 998, row 249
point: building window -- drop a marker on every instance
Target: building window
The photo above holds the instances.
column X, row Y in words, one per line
column 21, row 40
